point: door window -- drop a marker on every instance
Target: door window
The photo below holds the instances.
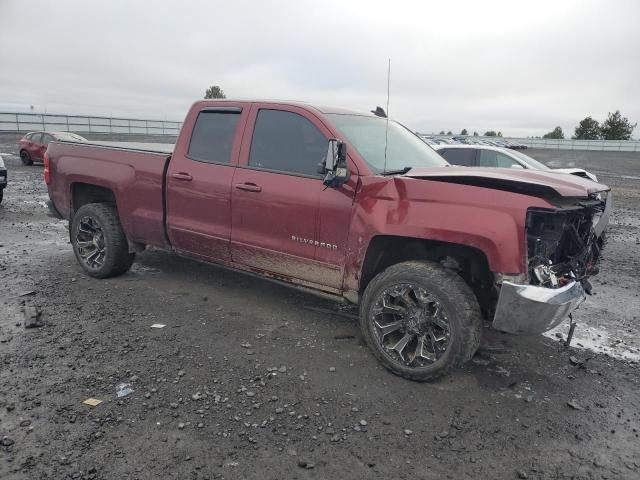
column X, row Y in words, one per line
column 46, row 138
column 37, row 138
column 286, row 142
column 212, row 137
column 491, row 158
column 460, row 156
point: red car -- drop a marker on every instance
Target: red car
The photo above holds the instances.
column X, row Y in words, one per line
column 33, row 145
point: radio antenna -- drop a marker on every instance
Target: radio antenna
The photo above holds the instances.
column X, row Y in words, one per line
column 386, row 129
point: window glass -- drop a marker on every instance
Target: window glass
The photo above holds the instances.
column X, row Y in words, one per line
column 488, row 158
column 491, row 158
column 287, row 142
column 46, row 138
column 385, row 149
column 212, row 137
column 459, row 156
column 37, row 137
column 505, row 161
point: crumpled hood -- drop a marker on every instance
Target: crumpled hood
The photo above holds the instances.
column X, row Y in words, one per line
column 528, row 182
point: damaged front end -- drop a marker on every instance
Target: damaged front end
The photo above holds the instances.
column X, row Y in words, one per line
column 563, row 249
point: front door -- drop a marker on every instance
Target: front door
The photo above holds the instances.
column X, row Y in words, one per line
column 275, row 197
column 199, row 183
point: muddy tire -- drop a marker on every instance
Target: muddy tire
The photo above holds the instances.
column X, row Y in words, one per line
column 98, row 241
column 26, row 157
column 420, row 320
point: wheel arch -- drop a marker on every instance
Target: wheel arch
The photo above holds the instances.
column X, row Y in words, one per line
column 468, row 262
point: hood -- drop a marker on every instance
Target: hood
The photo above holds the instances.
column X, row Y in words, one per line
column 527, row 182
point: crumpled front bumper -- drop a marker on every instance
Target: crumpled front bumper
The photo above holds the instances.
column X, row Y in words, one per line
column 530, row 310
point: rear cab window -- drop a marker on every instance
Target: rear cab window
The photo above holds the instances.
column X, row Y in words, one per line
column 286, row 142
column 213, row 135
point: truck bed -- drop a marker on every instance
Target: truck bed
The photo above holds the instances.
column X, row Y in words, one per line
column 134, row 175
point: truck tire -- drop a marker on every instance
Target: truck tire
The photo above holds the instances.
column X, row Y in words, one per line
column 26, row 158
column 420, row 320
column 98, row 241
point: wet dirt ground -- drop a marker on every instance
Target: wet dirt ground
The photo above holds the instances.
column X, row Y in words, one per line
column 249, row 379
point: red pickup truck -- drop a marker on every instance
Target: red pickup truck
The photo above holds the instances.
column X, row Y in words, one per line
column 350, row 205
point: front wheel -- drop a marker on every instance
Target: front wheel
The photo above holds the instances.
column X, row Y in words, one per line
column 420, row 320
column 99, row 242
column 26, row 158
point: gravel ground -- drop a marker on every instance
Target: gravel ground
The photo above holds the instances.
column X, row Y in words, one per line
column 249, row 379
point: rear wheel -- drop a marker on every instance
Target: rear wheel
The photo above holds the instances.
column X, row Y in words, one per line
column 99, row 242
column 26, row 157
column 420, row 320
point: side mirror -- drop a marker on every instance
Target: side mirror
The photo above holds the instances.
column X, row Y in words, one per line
column 334, row 166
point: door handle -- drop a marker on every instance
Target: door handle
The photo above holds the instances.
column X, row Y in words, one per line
column 248, row 187
column 185, row 177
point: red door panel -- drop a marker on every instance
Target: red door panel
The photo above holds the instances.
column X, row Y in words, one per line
column 274, row 229
column 199, row 182
column 278, row 225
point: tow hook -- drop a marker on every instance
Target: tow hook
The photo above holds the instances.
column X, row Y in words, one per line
column 572, row 327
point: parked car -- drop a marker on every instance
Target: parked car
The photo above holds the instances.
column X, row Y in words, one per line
column 33, row 145
column 3, row 178
column 348, row 205
column 488, row 156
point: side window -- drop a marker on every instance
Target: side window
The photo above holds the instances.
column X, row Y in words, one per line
column 212, row 136
column 37, row 137
column 286, row 142
column 488, row 158
column 491, row 158
column 505, row 161
column 29, row 136
column 460, row 156
column 46, row 138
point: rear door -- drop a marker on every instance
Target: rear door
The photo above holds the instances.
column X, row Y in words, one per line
column 199, row 182
column 276, row 190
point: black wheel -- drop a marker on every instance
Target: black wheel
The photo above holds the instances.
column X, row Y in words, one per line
column 420, row 320
column 26, row 158
column 98, row 241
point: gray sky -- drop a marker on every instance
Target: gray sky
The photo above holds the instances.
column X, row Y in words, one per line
column 518, row 67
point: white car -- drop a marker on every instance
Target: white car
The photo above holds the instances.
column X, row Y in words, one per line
column 487, row 156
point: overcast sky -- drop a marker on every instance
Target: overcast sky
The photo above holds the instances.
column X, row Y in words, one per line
column 518, row 67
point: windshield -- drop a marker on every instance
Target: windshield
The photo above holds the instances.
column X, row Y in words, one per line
column 70, row 137
column 531, row 162
column 404, row 149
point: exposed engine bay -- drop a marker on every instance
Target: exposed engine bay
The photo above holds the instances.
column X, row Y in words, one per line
column 564, row 245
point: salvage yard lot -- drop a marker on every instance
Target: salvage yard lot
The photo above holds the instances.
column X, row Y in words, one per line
column 249, row 379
